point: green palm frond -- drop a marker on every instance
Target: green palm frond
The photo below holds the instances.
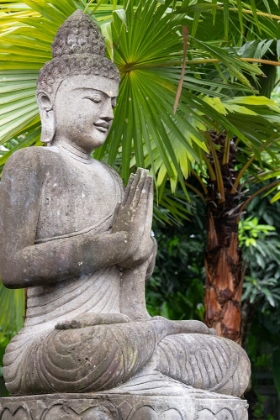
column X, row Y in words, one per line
column 150, row 79
column 12, row 311
column 145, row 42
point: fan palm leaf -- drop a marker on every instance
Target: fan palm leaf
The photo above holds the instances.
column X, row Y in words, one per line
column 147, row 47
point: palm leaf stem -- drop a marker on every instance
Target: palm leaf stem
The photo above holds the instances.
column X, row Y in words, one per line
column 220, row 182
column 181, row 81
column 214, row 7
column 131, row 66
column 91, row 1
column 264, row 175
column 250, row 12
column 273, row 184
column 245, row 167
column 241, row 173
column 261, row 61
column 198, row 193
column 226, row 151
column 200, row 181
column 209, row 168
column 95, row 7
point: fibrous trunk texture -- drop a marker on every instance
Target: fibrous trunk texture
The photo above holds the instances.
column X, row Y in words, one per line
column 223, row 259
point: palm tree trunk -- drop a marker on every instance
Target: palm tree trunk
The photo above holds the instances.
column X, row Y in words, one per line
column 223, row 259
column 224, row 278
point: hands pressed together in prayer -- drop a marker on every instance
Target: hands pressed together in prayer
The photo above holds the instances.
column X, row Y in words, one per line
column 134, row 216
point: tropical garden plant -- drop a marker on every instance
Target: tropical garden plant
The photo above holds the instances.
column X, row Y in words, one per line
column 188, row 94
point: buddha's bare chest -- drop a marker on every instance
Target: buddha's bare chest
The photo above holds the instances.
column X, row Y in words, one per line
column 74, row 197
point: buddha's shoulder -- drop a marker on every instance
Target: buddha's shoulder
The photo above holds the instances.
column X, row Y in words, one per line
column 25, row 165
column 31, row 157
column 21, row 159
column 32, row 153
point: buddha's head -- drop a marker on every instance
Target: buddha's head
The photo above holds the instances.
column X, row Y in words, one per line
column 77, row 89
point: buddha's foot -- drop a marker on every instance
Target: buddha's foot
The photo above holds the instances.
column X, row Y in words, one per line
column 164, row 327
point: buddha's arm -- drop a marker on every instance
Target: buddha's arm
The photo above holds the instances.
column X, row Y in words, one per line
column 132, row 299
column 23, row 264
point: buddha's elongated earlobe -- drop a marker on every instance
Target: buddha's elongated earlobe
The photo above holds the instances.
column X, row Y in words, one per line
column 47, row 117
column 48, row 127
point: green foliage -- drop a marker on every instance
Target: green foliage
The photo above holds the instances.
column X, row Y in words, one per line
column 176, row 287
column 11, row 320
column 261, row 300
column 11, row 316
column 262, row 246
column 258, row 410
column 261, row 251
column 276, row 369
column 12, row 311
column 250, row 231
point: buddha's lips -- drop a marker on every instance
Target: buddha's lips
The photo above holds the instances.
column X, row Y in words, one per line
column 103, row 127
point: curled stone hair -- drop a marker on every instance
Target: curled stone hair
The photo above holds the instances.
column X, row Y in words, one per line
column 78, row 49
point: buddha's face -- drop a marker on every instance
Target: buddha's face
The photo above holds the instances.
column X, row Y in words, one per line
column 83, row 110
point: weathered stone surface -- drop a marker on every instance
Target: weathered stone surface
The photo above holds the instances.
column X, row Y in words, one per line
column 82, row 246
column 121, row 407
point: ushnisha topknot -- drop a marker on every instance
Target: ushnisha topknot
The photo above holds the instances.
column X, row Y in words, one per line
column 78, row 35
column 78, row 49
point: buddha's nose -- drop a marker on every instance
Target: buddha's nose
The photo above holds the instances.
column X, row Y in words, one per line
column 107, row 111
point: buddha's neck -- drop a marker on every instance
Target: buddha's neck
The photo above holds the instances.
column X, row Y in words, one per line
column 74, row 152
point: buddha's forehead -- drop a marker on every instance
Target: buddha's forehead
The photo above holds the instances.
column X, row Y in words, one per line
column 89, row 82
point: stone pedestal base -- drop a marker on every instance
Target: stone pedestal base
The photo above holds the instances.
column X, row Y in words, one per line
column 121, row 407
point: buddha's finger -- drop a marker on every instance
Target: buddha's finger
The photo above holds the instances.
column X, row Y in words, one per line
column 133, row 187
column 140, row 196
column 128, row 188
column 140, row 203
column 144, row 204
column 150, row 201
column 137, row 188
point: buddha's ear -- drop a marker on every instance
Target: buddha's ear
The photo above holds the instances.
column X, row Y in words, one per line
column 47, row 117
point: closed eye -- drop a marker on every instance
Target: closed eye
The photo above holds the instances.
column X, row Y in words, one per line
column 94, row 98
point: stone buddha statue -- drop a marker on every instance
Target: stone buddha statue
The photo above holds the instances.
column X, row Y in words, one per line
column 81, row 244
